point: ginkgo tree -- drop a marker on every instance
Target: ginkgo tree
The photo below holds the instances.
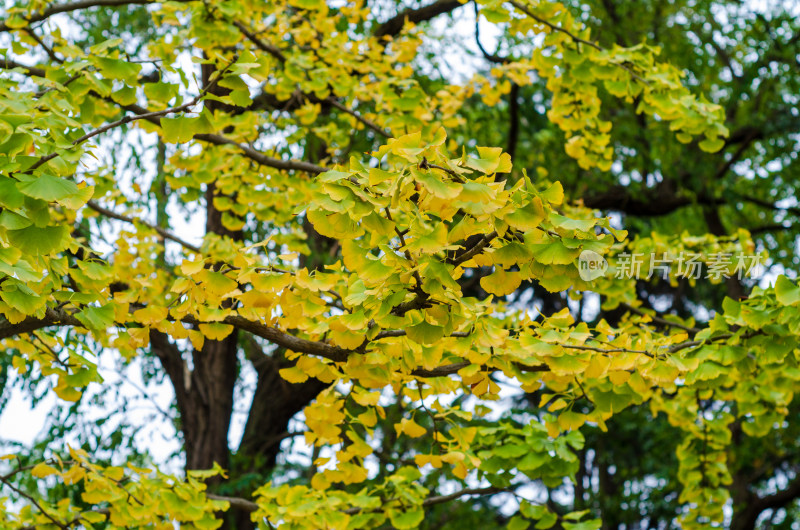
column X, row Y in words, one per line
column 386, row 259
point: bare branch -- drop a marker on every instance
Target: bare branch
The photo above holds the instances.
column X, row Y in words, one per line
column 394, row 25
column 8, row 64
column 52, row 317
column 32, row 500
column 476, row 249
column 113, row 125
column 438, row 499
column 491, row 57
column 402, row 333
column 261, row 158
column 440, row 371
column 659, row 320
column 264, row 46
column 166, row 234
column 372, row 125
column 235, row 502
column 281, row 338
column 553, row 27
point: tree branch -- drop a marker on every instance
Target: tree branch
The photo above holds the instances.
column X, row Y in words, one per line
column 438, row 499
column 122, row 121
column 52, row 317
column 290, row 342
column 553, row 27
column 9, row 64
column 755, row 506
column 262, row 45
column 275, row 52
column 794, row 210
column 372, row 125
column 32, row 500
column 394, row 25
column 235, row 502
column 476, row 249
column 260, row 158
column 166, row 234
column 491, row 57
column 659, row 320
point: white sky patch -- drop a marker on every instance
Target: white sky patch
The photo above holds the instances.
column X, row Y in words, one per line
column 20, row 420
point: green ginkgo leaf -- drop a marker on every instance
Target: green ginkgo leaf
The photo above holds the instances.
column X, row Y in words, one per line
column 554, row 194
column 527, row 217
column 554, row 253
column 97, row 318
column 712, row 145
column 407, row 519
column 181, row 130
column 491, row 160
column 436, row 186
column 425, row 333
column 501, row 282
column 786, row 291
column 117, row 69
column 10, row 196
column 48, row 188
column 21, row 298
column 39, row 241
column 13, row 221
column 566, row 223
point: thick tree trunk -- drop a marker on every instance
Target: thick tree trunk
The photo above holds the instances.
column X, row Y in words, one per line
column 204, row 397
column 206, row 419
column 206, row 422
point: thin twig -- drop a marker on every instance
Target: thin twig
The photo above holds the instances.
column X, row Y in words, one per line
column 659, row 320
column 427, row 165
column 372, row 125
column 32, row 500
column 469, row 254
column 265, row 46
column 47, row 49
column 166, row 234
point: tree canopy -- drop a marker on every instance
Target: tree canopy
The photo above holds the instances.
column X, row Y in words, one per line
column 520, row 264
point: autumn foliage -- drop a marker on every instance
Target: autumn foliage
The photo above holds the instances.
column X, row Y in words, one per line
column 385, row 255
